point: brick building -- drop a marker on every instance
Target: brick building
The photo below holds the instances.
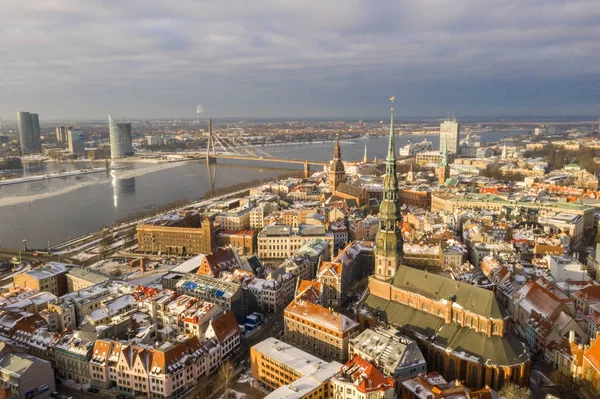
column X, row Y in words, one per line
column 418, row 198
column 177, row 240
column 243, row 241
column 460, row 328
column 317, row 329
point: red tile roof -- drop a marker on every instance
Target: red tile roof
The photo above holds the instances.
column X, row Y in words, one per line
column 225, row 326
column 365, row 376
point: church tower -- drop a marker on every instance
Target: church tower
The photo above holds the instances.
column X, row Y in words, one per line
column 443, row 171
column 337, row 174
column 388, row 243
column 410, row 176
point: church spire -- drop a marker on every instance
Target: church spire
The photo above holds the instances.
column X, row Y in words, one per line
column 445, row 152
column 391, row 156
column 365, row 159
column 337, row 152
column 389, row 243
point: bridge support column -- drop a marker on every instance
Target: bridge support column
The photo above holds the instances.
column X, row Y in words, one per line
column 306, row 170
column 211, row 160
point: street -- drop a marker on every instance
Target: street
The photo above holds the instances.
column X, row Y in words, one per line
column 271, row 328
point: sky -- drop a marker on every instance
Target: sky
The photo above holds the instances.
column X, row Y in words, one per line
column 83, row 59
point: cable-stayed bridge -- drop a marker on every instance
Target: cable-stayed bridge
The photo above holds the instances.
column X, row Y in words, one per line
column 236, row 147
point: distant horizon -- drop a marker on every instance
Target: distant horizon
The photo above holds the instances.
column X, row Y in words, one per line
column 397, row 119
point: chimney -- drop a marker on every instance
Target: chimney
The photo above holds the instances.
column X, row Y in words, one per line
column 572, row 336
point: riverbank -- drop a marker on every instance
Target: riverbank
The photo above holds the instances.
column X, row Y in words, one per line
column 59, row 175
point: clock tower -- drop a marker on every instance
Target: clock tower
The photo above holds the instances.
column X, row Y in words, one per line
column 389, row 242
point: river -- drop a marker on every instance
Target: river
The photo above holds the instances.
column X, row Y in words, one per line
column 58, row 209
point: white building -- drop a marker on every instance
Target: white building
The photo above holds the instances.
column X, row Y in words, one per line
column 566, row 268
column 282, row 241
column 450, row 136
column 235, row 219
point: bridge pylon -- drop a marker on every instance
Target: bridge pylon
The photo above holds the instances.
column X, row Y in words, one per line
column 306, row 170
column 210, row 145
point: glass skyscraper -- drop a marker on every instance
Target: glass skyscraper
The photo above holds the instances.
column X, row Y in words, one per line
column 29, row 132
column 120, row 139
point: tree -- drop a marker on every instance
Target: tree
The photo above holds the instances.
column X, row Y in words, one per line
column 55, row 155
column 202, row 393
column 563, row 381
column 225, row 378
column 510, row 390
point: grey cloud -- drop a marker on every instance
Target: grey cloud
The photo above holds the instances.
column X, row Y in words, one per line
column 73, row 59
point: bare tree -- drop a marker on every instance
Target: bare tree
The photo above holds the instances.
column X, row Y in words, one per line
column 225, row 378
column 563, row 381
column 510, row 390
column 202, row 393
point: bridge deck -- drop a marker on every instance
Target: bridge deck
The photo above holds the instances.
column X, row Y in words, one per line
column 266, row 159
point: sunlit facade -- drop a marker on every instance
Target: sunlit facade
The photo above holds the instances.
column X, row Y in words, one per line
column 120, row 139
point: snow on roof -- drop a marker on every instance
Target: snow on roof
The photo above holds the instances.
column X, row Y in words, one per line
column 296, row 359
column 320, row 315
column 190, row 265
column 50, row 269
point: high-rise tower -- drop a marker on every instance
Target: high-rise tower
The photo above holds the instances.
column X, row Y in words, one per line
column 389, row 243
column 120, row 139
column 29, row 132
column 450, row 136
column 337, row 173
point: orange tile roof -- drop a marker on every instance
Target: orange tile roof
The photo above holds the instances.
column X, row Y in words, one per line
column 365, row 376
column 540, row 249
column 592, row 354
column 303, row 285
column 331, row 267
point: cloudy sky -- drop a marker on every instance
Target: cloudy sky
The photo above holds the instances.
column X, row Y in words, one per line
column 80, row 59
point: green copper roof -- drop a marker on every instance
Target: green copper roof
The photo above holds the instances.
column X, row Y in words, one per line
column 469, row 297
column 462, row 341
column 391, row 156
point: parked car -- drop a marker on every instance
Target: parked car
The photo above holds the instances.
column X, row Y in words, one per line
column 93, row 390
column 55, row 395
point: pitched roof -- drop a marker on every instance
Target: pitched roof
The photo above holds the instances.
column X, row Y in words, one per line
column 460, row 340
column 588, row 294
column 365, row 376
column 320, row 315
column 351, row 190
column 223, row 260
column 475, row 299
column 225, row 326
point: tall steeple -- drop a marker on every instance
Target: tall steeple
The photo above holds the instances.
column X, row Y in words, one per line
column 365, row 159
column 389, row 243
column 337, row 174
column 337, row 152
column 445, row 152
column 444, row 168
